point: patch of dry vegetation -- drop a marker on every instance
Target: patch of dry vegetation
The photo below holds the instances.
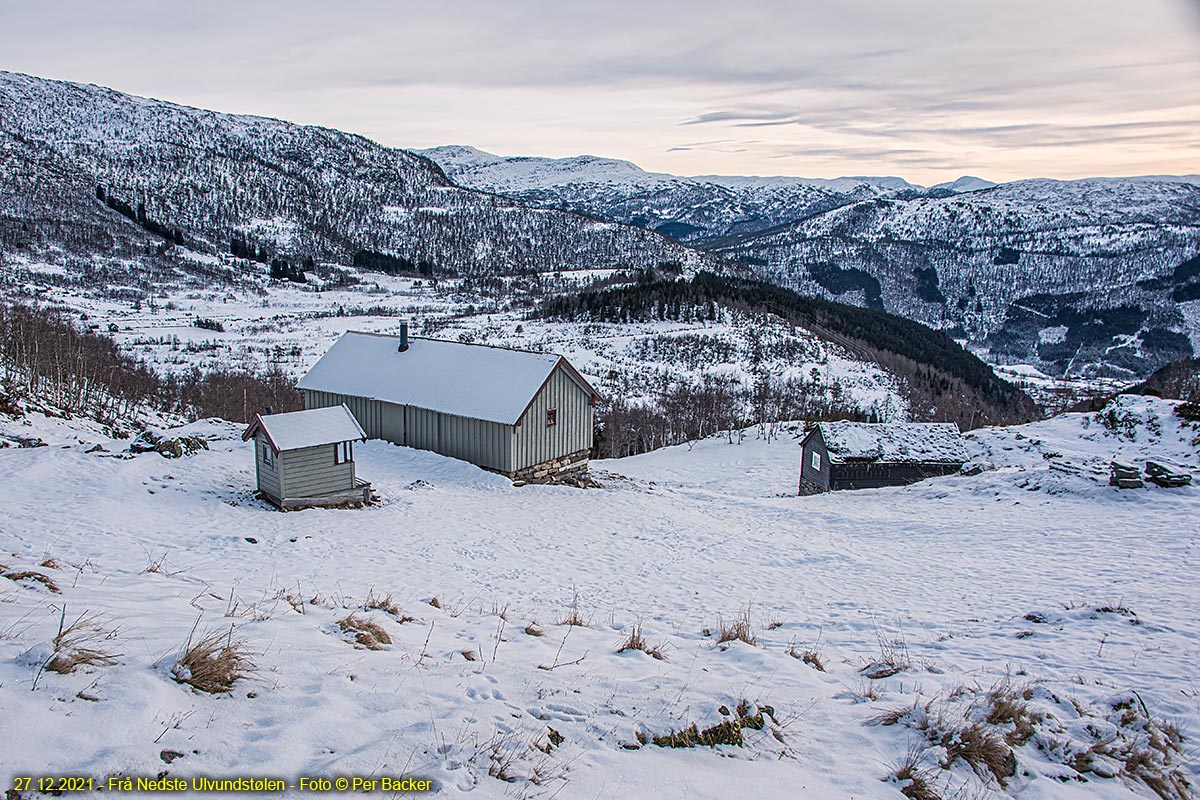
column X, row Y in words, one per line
column 727, row 732
column 573, row 616
column 214, row 663
column 637, row 641
column 387, row 606
column 367, row 634
column 739, row 629
column 916, row 781
column 29, row 575
column 81, row 644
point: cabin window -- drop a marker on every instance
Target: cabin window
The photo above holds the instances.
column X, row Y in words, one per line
column 551, row 417
column 343, row 453
column 816, row 460
column 266, row 453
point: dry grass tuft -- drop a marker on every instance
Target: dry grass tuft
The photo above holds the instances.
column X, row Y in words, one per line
column 1011, row 707
column 982, row 749
column 435, row 602
column 79, row 645
column 573, row 616
column 917, row 780
column 387, row 606
column 156, row 565
column 812, row 657
column 533, row 630
column 214, row 663
column 728, row 732
column 739, row 629
column 470, row 655
column 892, row 716
column 637, row 641
column 51, row 563
column 30, row 575
column 893, row 658
column 366, row 633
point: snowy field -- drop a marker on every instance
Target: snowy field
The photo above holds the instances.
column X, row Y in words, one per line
column 1032, row 580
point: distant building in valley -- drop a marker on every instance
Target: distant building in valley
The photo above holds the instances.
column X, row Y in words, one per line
column 864, row 455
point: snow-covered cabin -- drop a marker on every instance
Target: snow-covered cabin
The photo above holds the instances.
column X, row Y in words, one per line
column 528, row 416
column 306, row 458
column 864, row 455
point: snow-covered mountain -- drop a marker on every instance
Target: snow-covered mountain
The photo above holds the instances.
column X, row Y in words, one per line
column 692, row 210
column 91, row 171
column 1075, row 277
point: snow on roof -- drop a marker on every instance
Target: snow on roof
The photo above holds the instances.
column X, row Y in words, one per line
column 316, row 426
column 894, row 442
column 477, row 381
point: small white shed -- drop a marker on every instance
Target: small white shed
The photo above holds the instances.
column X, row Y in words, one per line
column 306, row 458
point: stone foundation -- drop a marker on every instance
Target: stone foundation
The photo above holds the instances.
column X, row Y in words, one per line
column 807, row 487
column 571, row 468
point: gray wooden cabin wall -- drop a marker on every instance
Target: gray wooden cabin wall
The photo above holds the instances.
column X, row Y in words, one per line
column 488, row 444
column 534, row 442
column 268, row 471
column 369, row 413
column 310, row 471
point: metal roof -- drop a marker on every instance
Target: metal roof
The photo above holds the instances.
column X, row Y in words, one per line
column 469, row 380
column 316, row 426
column 893, row 442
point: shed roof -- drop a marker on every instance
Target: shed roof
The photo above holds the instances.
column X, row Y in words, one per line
column 893, row 442
column 470, row 380
column 316, row 426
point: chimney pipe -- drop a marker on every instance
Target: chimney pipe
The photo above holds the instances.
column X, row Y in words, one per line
column 403, row 337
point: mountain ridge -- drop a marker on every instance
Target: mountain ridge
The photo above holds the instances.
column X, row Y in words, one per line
column 290, row 191
column 1076, row 277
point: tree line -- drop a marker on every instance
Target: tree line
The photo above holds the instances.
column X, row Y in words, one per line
column 46, row 356
column 942, row 380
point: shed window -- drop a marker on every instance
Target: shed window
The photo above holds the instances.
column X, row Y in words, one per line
column 266, row 453
column 343, row 452
column 816, row 460
column 551, row 417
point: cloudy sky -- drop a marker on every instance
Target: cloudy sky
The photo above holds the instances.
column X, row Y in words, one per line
column 925, row 89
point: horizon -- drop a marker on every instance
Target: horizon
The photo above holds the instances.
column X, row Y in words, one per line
column 927, row 92
column 419, row 151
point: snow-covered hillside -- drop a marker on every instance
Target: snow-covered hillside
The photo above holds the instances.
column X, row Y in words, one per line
column 284, row 326
column 89, row 172
column 1073, row 276
column 1029, row 629
column 1004, row 266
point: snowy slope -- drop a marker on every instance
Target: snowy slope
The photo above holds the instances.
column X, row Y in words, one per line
column 1035, row 579
column 70, row 154
column 968, row 255
column 1075, row 277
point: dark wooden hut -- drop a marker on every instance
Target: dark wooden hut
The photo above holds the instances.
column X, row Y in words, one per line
column 863, row 455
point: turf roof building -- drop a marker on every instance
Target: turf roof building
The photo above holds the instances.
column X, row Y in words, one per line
column 864, row 455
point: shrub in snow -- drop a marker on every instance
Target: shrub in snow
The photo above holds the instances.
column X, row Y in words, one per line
column 213, row 664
